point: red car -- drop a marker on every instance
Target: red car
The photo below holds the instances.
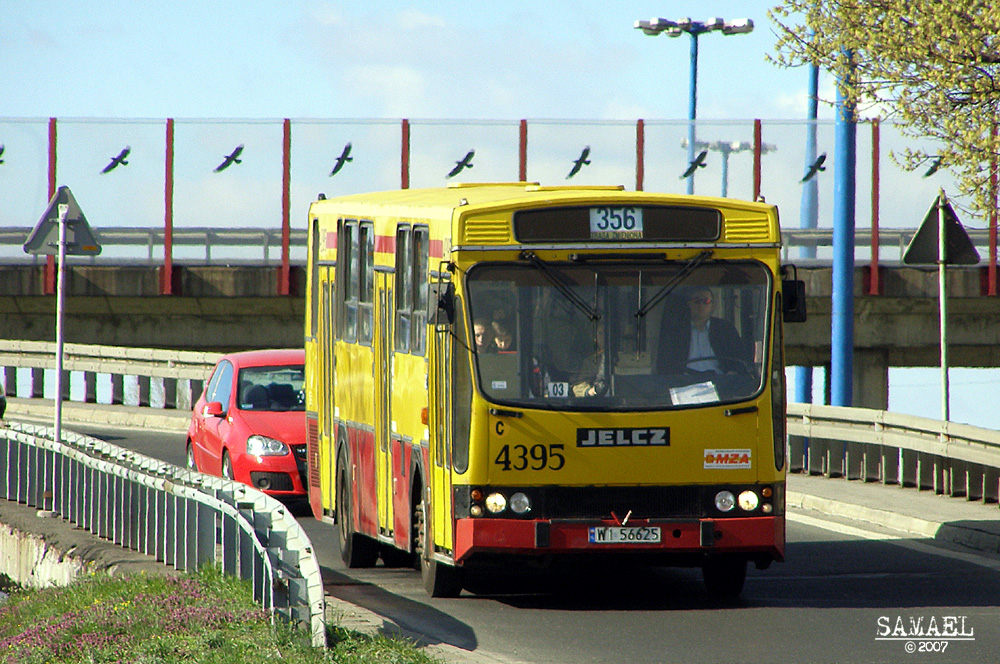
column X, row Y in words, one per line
column 250, row 423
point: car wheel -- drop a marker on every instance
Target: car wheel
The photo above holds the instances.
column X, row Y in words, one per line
column 227, row 467
column 356, row 550
column 191, row 463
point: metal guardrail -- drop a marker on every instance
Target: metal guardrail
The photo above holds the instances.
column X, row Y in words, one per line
column 182, row 518
column 892, row 448
column 267, row 238
column 182, row 372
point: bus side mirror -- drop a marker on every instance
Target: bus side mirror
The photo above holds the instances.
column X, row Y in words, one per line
column 441, row 303
column 793, row 301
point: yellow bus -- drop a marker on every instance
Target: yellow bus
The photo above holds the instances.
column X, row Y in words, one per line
column 508, row 373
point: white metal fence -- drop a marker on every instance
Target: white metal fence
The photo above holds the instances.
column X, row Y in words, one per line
column 891, row 448
column 183, row 518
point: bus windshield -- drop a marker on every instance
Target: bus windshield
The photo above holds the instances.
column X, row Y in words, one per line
column 610, row 335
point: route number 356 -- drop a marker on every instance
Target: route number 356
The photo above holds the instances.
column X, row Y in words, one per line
column 537, row 457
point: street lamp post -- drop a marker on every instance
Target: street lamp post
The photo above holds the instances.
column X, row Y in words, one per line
column 694, row 28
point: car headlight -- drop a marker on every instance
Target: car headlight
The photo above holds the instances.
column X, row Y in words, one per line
column 748, row 501
column 263, row 446
column 724, row 501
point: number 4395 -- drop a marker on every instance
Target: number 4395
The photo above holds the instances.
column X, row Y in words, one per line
column 537, row 457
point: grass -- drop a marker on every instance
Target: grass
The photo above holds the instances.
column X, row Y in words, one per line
column 203, row 618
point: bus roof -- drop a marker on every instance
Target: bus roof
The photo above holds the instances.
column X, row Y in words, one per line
column 442, row 201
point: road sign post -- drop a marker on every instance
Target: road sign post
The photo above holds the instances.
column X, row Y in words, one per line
column 941, row 240
column 51, row 236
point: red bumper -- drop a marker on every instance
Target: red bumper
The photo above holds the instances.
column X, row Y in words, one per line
column 516, row 536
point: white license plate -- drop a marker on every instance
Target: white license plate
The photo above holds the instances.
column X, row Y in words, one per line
column 624, row 535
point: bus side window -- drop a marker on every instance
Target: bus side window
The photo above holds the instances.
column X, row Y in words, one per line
column 366, row 290
column 404, row 288
column 347, row 284
column 421, row 248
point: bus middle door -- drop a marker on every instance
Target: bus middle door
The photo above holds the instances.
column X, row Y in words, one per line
column 383, row 403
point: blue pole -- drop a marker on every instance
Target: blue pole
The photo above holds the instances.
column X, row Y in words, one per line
column 692, row 106
column 842, row 324
column 809, row 218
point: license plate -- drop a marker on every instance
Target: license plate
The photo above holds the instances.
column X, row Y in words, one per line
column 624, row 535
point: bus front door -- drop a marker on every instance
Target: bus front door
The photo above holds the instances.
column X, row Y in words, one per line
column 440, row 451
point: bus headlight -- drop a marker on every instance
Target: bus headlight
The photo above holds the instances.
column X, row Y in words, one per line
column 496, row 503
column 520, row 504
column 724, row 501
column 748, row 501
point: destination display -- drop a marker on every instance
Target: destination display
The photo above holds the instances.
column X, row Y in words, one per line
column 618, row 223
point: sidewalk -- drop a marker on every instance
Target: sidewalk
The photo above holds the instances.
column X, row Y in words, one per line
column 919, row 514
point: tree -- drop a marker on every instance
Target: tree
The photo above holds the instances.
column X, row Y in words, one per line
column 931, row 66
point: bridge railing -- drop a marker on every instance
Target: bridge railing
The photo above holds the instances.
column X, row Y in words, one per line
column 259, row 243
column 179, row 375
column 881, row 446
column 182, row 518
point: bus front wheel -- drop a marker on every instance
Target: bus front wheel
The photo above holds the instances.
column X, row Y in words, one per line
column 724, row 575
column 356, row 550
column 440, row 580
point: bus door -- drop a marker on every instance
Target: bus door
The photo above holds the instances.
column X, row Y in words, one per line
column 440, row 453
column 383, row 399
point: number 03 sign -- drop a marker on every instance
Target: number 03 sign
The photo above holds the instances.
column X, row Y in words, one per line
column 612, row 223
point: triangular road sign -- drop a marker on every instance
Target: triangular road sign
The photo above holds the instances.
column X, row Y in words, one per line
column 44, row 239
column 923, row 246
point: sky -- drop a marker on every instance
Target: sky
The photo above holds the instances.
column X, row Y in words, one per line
column 430, row 59
column 435, row 59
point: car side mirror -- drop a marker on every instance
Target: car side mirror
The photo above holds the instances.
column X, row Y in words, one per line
column 213, row 409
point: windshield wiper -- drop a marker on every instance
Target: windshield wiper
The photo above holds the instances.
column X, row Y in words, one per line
column 669, row 287
column 554, row 276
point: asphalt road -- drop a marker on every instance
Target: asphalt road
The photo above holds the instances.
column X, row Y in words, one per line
column 837, row 599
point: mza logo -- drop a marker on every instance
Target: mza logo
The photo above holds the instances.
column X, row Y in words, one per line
column 727, row 459
column 622, row 437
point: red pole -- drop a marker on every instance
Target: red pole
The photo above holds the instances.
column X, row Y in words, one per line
column 640, row 154
column 404, row 176
column 286, row 206
column 49, row 285
column 991, row 286
column 522, row 154
column 757, row 144
column 874, row 286
column 167, row 276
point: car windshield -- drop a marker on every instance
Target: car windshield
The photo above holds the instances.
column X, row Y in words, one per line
column 619, row 336
column 278, row 388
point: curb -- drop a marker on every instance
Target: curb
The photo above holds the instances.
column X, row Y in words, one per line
column 87, row 413
column 970, row 538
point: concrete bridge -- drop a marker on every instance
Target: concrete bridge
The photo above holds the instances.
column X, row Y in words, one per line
column 220, row 308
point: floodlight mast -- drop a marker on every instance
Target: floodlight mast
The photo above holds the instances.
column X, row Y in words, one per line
column 656, row 26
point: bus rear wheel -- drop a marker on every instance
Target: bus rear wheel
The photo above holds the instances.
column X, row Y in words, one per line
column 440, row 580
column 724, row 575
column 356, row 550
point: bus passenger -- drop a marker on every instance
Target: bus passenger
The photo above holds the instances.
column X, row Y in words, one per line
column 503, row 337
column 484, row 337
column 696, row 341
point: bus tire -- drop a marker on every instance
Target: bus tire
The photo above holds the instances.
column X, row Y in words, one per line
column 440, row 579
column 724, row 575
column 356, row 550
